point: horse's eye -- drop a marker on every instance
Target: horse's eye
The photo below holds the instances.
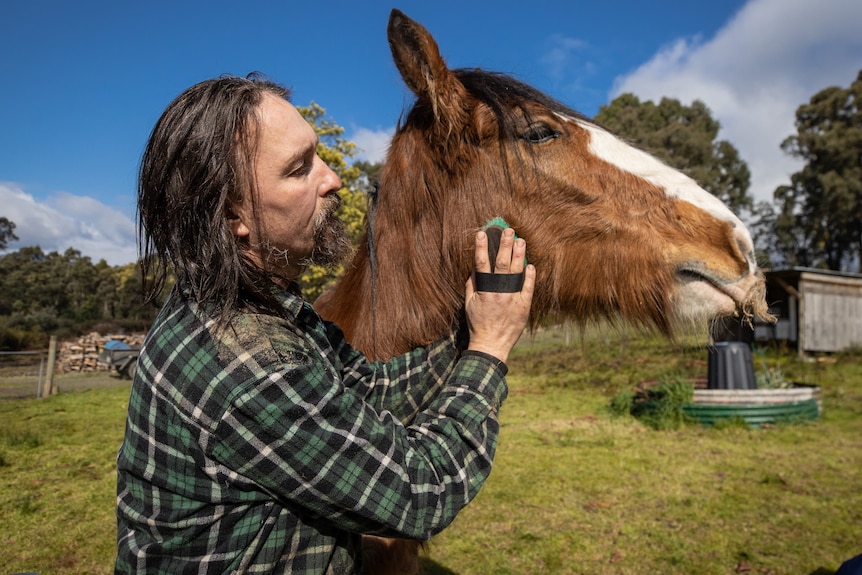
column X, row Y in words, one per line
column 540, row 133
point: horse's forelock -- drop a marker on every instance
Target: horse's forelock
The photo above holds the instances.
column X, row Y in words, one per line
column 508, row 97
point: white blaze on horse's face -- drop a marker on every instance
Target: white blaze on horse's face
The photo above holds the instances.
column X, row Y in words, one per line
column 614, row 151
column 695, row 298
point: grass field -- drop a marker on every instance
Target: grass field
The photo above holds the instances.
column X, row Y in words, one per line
column 574, row 490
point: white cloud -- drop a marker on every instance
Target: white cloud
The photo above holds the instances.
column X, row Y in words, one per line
column 571, row 65
column 558, row 61
column 372, row 144
column 65, row 221
column 757, row 70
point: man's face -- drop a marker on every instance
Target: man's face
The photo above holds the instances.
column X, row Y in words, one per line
column 296, row 196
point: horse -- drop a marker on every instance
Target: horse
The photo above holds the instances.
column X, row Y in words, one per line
column 613, row 232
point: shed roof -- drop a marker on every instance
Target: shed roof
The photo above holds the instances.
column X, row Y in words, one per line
column 798, row 270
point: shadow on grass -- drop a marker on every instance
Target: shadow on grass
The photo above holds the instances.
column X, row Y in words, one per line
column 431, row 567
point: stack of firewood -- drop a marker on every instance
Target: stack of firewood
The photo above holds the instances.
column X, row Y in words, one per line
column 82, row 354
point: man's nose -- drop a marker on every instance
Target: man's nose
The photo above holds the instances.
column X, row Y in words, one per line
column 331, row 181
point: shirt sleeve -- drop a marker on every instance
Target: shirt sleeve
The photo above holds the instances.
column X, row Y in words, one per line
column 299, row 433
column 403, row 385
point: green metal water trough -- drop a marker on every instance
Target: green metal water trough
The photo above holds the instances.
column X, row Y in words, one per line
column 756, row 406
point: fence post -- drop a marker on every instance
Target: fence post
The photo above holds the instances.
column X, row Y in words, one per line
column 41, row 373
column 49, row 388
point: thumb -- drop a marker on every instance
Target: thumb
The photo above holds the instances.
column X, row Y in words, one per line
column 471, row 286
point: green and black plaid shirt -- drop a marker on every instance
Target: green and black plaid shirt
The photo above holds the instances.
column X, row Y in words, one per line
column 269, row 446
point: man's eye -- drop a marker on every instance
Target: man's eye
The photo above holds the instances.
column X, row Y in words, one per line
column 301, row 170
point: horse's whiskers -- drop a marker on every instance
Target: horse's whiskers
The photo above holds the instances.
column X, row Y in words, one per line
column 755, row 307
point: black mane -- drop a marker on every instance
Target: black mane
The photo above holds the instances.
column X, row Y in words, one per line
column 504, row 95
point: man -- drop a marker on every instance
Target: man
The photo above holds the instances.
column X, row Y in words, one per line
column 257, row 439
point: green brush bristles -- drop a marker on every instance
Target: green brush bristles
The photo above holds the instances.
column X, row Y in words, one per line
column 494, row 237
column 497, row 222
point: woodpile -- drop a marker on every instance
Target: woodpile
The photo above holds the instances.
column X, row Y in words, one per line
column 82, row 354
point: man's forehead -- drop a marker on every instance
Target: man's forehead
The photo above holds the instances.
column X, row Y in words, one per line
column 281, row 120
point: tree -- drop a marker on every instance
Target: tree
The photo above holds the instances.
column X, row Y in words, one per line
column 126, row 295
column 684, row 137
column 819, row 215
column 7, row 232
column 43, row 293
column 335, row 150
column 370, row 175
column 65, row 294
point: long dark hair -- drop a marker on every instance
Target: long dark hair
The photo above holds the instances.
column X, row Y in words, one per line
column 197, row 164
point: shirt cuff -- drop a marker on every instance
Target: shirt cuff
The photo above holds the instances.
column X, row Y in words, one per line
column 501, row 366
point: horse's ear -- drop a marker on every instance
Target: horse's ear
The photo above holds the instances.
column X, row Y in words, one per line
column 425, row 72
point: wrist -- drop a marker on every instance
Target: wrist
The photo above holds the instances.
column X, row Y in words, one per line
column 489, row 351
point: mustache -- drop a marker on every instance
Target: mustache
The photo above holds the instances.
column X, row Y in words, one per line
column 332, row 201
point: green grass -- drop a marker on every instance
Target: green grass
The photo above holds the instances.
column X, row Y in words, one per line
column 58, row 480
column 574, row 489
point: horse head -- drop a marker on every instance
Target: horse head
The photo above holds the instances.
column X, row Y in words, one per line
column 612, row 231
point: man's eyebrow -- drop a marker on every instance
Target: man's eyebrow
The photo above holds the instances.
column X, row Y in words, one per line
column 300, row 156
column 312, row 149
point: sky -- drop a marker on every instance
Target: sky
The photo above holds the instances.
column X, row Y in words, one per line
column 84, row 82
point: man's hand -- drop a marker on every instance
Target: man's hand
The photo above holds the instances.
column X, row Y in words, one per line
column 496, row 320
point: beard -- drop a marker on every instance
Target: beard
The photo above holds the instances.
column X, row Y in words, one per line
column 331, row 243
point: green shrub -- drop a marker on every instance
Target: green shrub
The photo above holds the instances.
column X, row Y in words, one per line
column 17, row 339
column 659, row 406
column 772, row 378
column 621, row 403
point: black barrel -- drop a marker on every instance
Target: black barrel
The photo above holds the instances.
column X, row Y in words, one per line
column 731, row 366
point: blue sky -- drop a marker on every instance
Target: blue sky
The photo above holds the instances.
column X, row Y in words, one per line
column 84, row 82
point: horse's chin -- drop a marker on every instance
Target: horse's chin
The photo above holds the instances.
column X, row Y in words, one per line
column 699, row 301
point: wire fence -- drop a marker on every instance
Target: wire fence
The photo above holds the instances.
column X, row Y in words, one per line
column 22, row 373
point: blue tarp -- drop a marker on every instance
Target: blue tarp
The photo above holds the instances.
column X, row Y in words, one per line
column 117, row 344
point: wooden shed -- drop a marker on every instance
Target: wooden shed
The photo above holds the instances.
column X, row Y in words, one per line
column 817, row 310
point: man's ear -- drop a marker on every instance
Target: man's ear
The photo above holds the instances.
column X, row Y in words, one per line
column 235, row 221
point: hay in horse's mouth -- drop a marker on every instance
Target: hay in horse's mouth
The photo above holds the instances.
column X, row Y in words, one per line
column 755, row 305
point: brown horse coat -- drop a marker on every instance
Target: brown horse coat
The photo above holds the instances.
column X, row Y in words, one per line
column 613, row 232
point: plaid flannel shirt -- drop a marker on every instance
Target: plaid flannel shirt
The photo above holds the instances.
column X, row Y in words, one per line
column 269, row 446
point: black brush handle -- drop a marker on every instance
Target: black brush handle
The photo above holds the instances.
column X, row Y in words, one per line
column 495, row 234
